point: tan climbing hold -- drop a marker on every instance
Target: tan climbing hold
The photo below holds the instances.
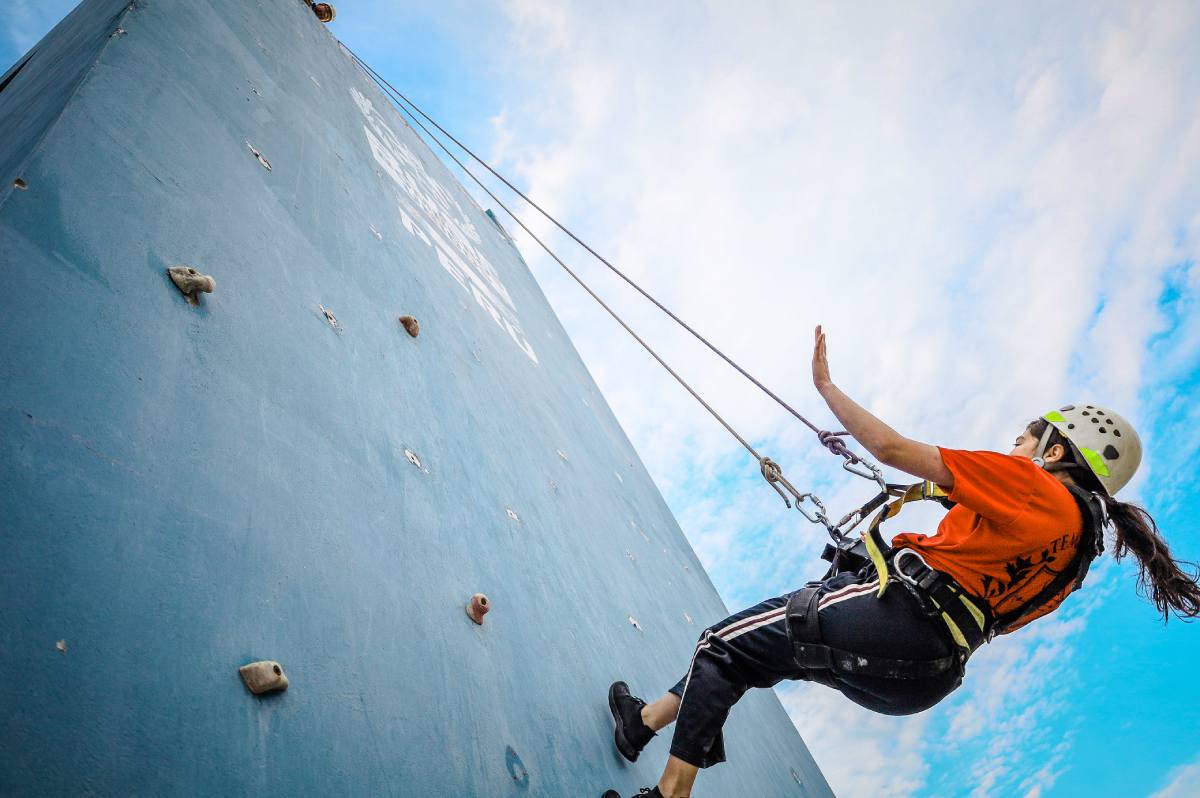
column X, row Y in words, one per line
column 478, row 607
column 264, row 677
column 325, row 12
column 61, row 645
column 411, row 325
column 19, row 183
column 191, row 283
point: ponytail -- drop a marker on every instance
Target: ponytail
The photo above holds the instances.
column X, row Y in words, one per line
column 1171, row 584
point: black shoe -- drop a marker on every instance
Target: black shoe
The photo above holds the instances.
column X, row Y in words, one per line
column 645, row 792
column 631, row 732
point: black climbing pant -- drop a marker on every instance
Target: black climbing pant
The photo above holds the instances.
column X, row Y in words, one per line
column 752, row 649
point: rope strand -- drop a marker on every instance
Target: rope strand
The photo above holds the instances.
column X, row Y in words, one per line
column 379, row 81
column 836, row 446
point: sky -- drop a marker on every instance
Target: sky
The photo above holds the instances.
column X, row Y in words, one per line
column 993, row 209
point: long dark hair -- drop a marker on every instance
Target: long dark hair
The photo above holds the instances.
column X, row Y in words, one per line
column 1171, row 584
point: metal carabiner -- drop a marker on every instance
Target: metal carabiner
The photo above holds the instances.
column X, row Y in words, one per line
column 859, row 514
column 834, row 443
column 773, row 474
column 873, row 472
column 818, row 517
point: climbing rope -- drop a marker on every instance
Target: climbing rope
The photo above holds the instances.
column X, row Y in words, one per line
column 770, row 470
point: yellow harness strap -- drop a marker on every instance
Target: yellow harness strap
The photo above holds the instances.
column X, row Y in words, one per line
column 876, row 546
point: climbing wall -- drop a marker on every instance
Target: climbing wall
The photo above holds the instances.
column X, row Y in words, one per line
column 282, row 472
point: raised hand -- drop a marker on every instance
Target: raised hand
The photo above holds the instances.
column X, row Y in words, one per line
column 820, row 361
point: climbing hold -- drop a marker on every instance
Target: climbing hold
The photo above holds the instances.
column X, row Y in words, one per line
column 634, row 623
column 191, row 283
column 478, row 607
column 412, row 457
column 20, row 184
column 329, row 317
column 325, row 12
column 61, row 645
column 265, row 163
column 512, row 514
column 411, row 325
column 264, row 677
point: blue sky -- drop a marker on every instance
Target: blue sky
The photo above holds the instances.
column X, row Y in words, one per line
column 993, row 209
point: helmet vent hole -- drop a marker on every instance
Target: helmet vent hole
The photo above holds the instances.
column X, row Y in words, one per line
column 1086, row 413
column 1070, row 426
column 1102, row 429
column 1067, row 408
column 1095, row 420
column 1117, row 432
column 1111, row 453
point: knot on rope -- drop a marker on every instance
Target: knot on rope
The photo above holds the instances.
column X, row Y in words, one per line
column 834, row 443
column 770, row 470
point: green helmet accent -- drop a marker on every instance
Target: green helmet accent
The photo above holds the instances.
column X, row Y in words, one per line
column 1109, row 444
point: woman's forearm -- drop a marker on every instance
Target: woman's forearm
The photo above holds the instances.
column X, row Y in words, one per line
column 872, row 434
column 884, row 443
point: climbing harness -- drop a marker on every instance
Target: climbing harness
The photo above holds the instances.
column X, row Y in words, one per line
column 808, row 503
column 820, row 661
column 969, row 622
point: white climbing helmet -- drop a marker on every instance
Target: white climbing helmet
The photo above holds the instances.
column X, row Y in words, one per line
column 1108, row 443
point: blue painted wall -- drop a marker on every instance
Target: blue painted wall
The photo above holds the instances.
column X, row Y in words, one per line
column 187, row 489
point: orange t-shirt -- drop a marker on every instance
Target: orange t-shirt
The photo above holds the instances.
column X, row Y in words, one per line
column 1013, row 528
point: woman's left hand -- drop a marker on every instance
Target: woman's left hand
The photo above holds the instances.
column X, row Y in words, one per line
column 820, row 362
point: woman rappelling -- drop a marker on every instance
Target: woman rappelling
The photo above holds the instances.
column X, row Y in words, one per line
column 892, row 627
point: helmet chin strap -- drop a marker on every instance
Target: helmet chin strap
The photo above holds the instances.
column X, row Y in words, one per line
column 1039, row 456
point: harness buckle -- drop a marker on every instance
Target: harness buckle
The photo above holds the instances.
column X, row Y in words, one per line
column 920, row 576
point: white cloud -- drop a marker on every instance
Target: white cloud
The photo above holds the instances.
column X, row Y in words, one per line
column 1181, row 783
column 860, row 752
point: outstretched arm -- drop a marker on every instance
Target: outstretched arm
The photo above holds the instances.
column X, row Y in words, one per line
column 884, row 443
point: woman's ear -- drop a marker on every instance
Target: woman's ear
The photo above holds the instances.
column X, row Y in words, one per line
column 1054, row 453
